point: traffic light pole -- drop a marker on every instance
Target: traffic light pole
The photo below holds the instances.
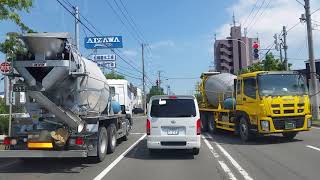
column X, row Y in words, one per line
column 143, row 81
column 314, row 81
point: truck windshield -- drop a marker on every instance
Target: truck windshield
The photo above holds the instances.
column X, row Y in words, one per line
column 282, row 85
column 173, row 108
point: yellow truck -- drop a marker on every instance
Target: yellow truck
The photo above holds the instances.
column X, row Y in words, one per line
column 262, row 102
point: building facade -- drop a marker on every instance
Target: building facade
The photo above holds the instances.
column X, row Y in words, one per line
column 235, row 52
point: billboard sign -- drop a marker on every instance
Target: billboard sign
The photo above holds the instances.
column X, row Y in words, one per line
column 103, row 42
column 104, row 57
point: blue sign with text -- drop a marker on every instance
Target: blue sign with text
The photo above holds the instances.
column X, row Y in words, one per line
column 103, row 42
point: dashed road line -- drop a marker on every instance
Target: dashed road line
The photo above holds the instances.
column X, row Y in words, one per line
column 116, row 161
column 244, row 173
column 223, row 165
column 312, row 147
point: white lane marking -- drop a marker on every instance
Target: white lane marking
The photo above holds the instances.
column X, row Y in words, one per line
column 9, row 163
column 312, row 147
column 244, row 173
column 137, row 133
column 223, row 165
column 116, row 161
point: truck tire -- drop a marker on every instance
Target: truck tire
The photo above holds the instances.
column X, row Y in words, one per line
column 203, row 122
column 102, row 144
column 289, row 135
column 128, row 127
column 112, row 138
column 244, row 130
column 211, row 124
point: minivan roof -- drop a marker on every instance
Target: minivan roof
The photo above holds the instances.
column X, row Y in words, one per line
column 172, row 97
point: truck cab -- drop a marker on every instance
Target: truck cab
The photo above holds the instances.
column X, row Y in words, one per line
column 273, row 102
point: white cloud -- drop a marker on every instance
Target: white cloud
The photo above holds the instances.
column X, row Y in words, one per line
column 161, row 44
column 279, row 13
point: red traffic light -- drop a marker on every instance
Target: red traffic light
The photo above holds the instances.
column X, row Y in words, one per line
column 255, row 45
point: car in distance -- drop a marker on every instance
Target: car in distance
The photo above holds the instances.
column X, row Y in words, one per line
column 173, row 122
column 137, row 111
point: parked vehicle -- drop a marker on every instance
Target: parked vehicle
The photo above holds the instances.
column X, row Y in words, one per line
column 68, row 101
column 255, row 103
column 173, row 123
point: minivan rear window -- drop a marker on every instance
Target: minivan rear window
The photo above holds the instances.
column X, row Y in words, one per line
column 173, row 108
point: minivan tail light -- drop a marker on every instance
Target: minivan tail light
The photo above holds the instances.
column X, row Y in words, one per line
column 148, row 127
column 79, row 141
column 198, row 127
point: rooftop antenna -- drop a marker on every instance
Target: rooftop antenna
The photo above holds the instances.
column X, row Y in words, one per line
column 215, row 36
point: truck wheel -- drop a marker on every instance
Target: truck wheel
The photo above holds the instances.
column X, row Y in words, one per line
column 128, row 126
column 211, row 124
column 102, row 144
column 245, row 133
column 289, row 135
column 203, row 122
column 112, row 138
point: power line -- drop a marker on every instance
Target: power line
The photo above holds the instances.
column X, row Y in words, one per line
column 262, row 13
column 255, row 15
column 94, row 34
column 124, row 24
column 253, row 8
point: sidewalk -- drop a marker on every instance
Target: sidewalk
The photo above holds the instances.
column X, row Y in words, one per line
column 316, row 123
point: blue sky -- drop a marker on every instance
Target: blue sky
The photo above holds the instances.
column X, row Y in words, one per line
column 179, row 32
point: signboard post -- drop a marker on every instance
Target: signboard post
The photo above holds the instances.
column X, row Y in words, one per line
column 103, row 42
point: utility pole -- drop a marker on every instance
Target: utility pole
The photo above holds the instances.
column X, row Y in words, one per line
column 280, row 49
column 285, row 47
column 76, row 33
column 143, row 80
column 314, row 83
column 159, row 79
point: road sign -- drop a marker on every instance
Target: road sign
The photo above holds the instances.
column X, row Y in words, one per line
column 103, row 42
column 5, row 67
column 104, row 57
column 107, row 64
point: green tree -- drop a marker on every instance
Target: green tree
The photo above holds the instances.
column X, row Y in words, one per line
column 4, row 120
column 270, row 63
column 9, row 9
column 155, row 90
column 114, row 75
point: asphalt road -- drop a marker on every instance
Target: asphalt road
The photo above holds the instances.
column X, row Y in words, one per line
column 222, row 156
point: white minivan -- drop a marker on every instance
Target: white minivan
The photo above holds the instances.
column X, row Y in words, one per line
column 173, row 122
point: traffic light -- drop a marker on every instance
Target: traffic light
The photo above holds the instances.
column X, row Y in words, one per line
column 157, row 82
column 255, row 50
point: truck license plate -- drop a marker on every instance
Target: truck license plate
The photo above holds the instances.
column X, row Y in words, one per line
column 289, row 125
column 173, row 131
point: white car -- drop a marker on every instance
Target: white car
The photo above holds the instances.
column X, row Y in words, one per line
column 173, row 123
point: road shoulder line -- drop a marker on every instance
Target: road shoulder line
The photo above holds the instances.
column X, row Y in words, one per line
column 116, row 161
column 244, row 173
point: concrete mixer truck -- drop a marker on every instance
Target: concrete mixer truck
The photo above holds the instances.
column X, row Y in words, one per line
column 68, row 100
column 255, row 103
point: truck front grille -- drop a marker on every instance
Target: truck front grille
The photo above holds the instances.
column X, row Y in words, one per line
column 279, row 122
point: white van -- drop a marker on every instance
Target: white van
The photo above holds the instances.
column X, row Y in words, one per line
column 173, row 123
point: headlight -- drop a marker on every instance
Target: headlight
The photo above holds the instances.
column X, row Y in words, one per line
column 265, row 125
column 309, row 122
column 300, row 110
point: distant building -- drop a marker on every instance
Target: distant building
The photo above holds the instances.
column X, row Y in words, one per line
column 234, row 52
